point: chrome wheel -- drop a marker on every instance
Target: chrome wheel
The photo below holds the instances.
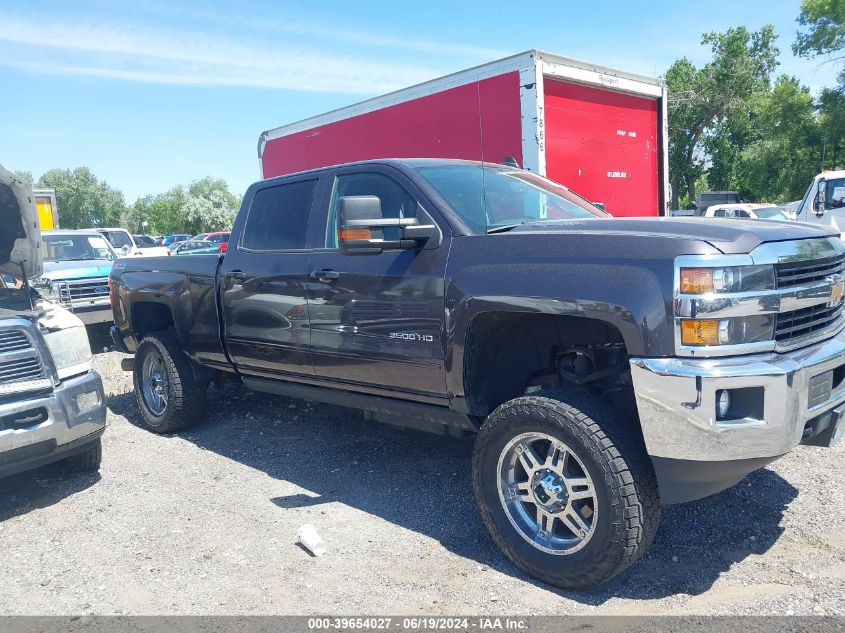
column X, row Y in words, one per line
column 547, row 493
column 154, row 379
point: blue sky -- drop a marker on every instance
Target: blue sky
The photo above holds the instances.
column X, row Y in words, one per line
column 163, row 93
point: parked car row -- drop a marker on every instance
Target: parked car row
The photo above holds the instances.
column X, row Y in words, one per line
column 747, row 211
column 77, row 264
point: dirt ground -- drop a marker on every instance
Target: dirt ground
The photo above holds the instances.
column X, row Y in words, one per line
column 205, row 522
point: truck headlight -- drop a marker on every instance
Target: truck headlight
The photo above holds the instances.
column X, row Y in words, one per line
column 694, row 281
column 732, row 331
column 70, row 350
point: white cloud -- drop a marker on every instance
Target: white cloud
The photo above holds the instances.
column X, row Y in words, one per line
column 353, row 36
column 193, row 57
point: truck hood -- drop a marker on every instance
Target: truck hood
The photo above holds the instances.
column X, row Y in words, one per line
column 730, row 236
column 76, row 270
column 20, row 236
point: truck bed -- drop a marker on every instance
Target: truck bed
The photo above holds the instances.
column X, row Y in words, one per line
column 173, row 291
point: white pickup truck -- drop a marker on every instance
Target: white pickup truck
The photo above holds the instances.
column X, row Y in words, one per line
column 824, row 201
column 127, row 245
column 52, row 406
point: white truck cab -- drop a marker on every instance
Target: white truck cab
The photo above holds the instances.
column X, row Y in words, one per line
column 127, row 245
column 824, row 201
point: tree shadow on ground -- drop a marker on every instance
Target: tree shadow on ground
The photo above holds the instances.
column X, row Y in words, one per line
column 422, row 482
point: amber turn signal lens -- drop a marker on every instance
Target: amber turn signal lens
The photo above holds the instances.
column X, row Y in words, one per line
column 700, row 332
column 345, row 235
column 696, row 280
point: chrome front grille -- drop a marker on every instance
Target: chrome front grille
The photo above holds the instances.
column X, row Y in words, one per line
column 13, row 341
column 800, row 323
column 820, row 318
column 83, row 290
column 807, row 272
column 21, row 368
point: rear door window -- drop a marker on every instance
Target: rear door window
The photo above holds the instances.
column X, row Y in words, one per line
column 118, row 239
column 278, row 217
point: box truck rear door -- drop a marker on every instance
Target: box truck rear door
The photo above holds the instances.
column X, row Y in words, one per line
column 604, row 145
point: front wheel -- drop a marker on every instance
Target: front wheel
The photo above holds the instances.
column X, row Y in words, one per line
column 87, row 460
column 168, row 395
column 566, row 491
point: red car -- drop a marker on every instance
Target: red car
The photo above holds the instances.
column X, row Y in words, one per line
column 221, row 238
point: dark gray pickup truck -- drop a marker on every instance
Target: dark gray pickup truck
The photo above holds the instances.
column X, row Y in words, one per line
column 608, row 366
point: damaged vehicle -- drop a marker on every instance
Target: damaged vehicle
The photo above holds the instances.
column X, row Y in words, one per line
column 52, row 405
column 609, row 366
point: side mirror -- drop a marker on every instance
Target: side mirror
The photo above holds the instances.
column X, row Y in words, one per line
column 821, row 198
column 361, row 227
column 125, row 249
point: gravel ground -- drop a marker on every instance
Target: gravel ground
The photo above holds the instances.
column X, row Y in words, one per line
column 205, row 522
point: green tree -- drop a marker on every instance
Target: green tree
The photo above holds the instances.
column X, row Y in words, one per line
column 207, row 214
column 832, row 122
column 164, row 212
column 786, row 151
column 823, row 31
column 701, row 98
column 207, row 186
column 83, row 201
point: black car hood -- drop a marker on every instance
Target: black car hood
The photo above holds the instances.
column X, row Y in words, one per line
column 728, row 235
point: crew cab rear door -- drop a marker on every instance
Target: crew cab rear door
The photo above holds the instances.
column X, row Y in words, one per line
column 263, row 280
column 377, row 320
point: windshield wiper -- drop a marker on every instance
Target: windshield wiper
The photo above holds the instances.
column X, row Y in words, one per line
column 504, row 228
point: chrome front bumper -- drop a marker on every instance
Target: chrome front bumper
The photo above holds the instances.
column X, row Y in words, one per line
column 676, row 400
column 64, row 421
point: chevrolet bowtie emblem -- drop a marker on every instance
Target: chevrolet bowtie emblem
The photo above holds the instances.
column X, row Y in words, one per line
column 837, row 292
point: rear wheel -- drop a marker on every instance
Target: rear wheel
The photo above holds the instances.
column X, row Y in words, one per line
column 564, row 490
column 167, row 394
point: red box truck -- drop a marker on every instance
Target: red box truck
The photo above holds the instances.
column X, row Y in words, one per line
column 598, row 131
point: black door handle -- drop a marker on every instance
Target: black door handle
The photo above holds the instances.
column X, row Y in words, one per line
column 325, row 275
column 235, row 274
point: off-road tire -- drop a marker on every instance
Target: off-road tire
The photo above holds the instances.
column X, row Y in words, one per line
column 87, row 460
column 612, row 451
column 186, row 398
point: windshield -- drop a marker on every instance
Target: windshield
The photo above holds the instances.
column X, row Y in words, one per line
column 144, row 241
column 487, row 197
column 770, row 213
column 69, row 248
column 835, row 193
column 118, row 239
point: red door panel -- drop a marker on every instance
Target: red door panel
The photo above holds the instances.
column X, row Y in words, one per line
column 603, row 145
